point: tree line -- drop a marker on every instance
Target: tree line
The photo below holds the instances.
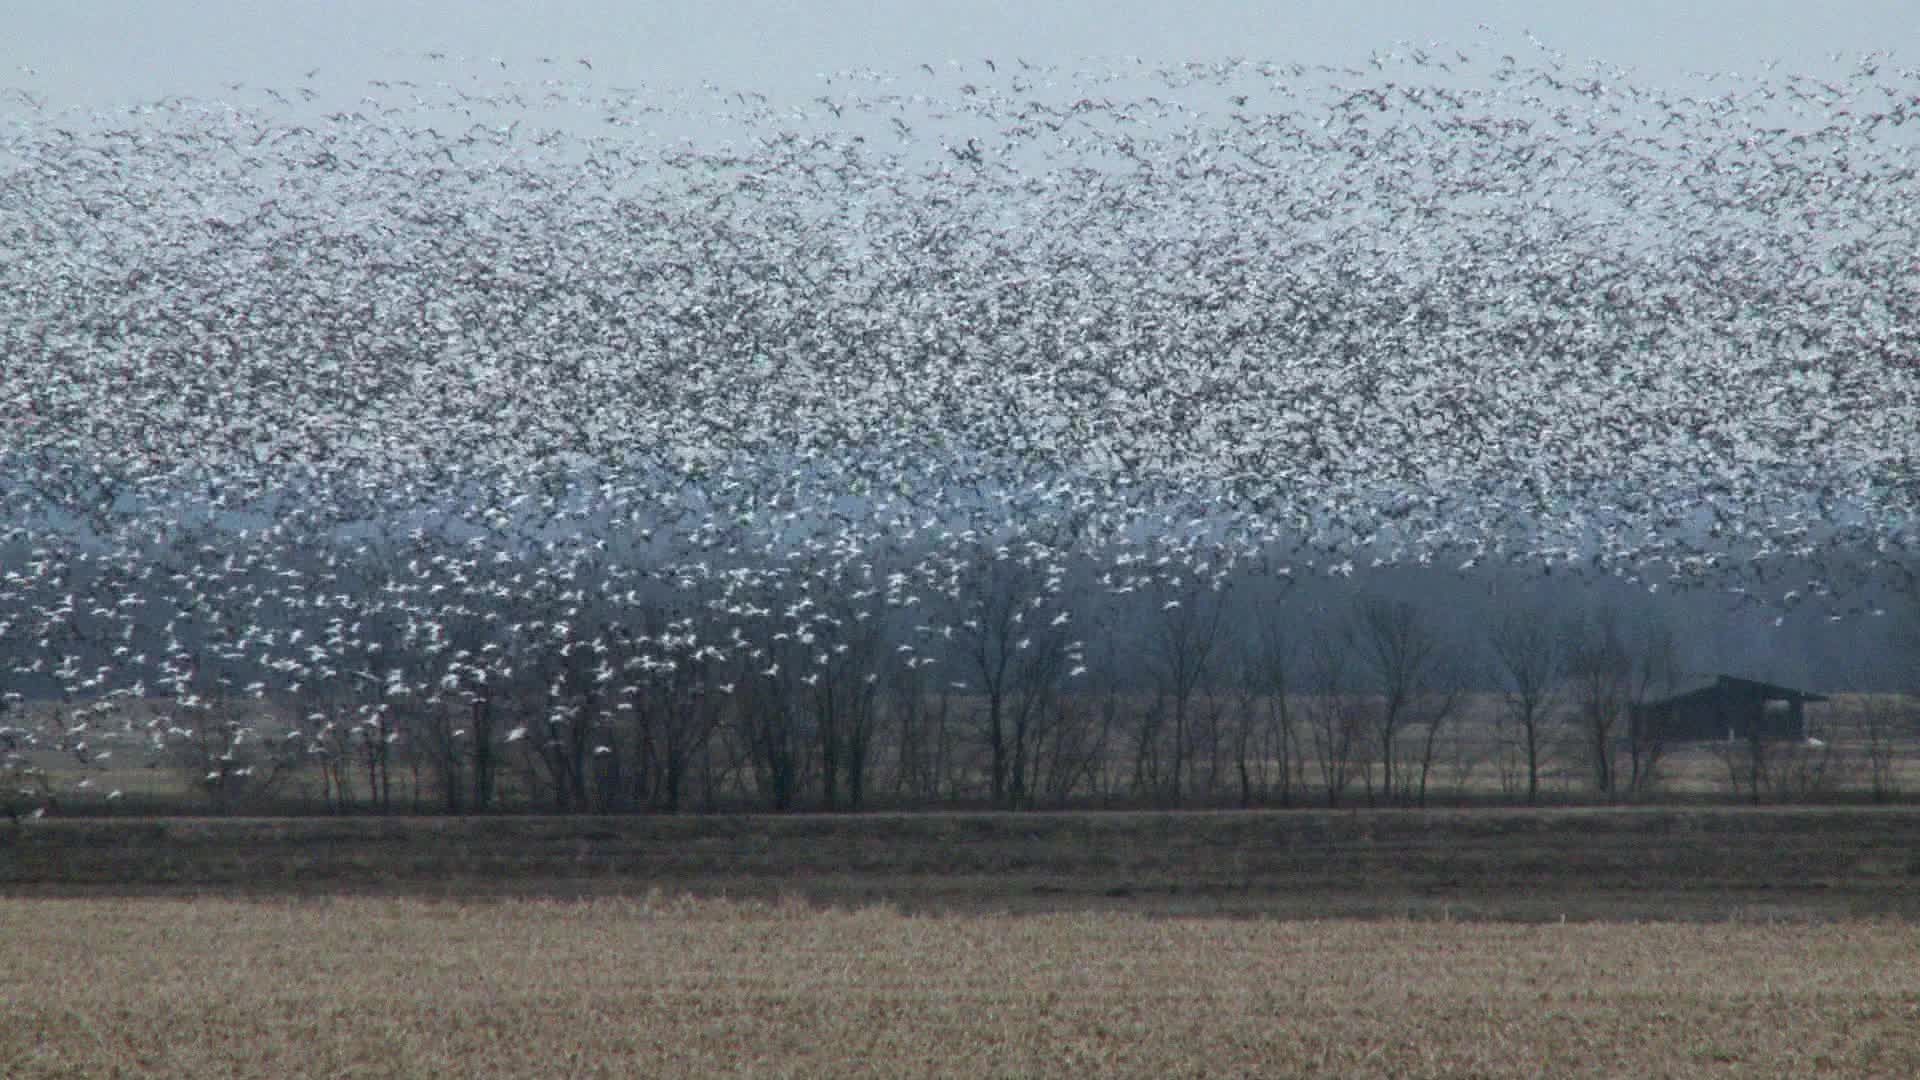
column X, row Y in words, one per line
column 996, row 675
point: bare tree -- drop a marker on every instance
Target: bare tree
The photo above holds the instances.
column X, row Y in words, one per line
column 1887, row 722
column 843, row 692
column 1073, row 756
column 679, row 699
column 918, row 729
column 23, row 784
column 461, row 734
column 570, row 717
column 770, row 716
column 1599, row 669
column 1876, row 727
column 1012, row 638
column 1435, row 709
column 1783, row 769
column 1529, row 661
column 223, row 755
column 1180, row 646
column 1656, row 672
column 1405, row 661
column 437, row 741
column 1336, row 721
column 1107, row 771
column 1267, row 734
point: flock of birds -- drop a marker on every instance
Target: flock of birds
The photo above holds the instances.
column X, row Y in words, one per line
column 374, row 404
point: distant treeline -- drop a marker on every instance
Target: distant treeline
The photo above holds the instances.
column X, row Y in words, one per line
column 1018, row 677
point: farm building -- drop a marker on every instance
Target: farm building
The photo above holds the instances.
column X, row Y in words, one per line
column 1730, row 708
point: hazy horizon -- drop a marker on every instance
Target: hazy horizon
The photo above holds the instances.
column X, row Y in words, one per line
column 114, row 53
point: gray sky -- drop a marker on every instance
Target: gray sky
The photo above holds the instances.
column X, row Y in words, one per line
column 94, row 53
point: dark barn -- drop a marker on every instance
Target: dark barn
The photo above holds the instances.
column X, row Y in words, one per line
column 1731, row 708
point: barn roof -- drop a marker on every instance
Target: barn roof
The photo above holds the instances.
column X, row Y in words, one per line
column 1733, row 687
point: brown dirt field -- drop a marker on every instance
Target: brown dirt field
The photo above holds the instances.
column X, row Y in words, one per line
column 1527, row 865
column 676, row 987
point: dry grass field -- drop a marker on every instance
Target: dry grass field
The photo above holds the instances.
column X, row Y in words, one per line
column 1644, row 941
column 657, row 986
column 1565, row 942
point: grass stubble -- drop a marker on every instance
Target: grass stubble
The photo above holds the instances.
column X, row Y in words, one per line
column 665, row 985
